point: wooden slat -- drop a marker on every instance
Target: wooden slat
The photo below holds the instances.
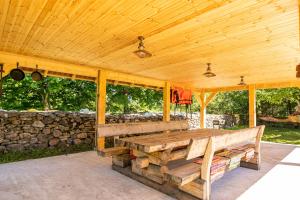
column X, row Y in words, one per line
column 194, row 188
column 114, row 151
column 142, row 162
column 144, row 127
column 123, row 160
column 184, row 174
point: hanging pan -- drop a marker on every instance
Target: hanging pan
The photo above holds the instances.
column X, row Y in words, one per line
column 17, row 74
column 36, row 75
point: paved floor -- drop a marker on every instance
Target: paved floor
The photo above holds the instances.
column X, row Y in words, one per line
column 87, row 176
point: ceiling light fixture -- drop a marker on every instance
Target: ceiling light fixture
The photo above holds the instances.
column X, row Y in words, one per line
column 141, row 52
column 208, row 72
column 242, row 83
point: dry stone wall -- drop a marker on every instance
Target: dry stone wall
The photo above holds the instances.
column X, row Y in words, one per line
column 29, row 130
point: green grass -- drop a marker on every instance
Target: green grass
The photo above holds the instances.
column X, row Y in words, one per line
column 40, row 153
column 279, row 135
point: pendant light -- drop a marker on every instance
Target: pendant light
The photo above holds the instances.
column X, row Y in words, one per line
column 208, row 72
column 141, row 52
column 242, row 83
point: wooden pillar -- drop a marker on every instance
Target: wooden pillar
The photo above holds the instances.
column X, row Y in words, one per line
column 205, row 168
column 166, row 97
column 203, row 101
column 203, row 111
column 252, row 106
column 101, row 105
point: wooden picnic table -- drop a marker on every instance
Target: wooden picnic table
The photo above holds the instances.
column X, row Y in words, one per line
column 166, row 161
column 164, row 141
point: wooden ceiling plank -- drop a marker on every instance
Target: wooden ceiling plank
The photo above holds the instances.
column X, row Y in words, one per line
column 43, row 15
column 4, row 7
column 274, row 85
column 166, row 27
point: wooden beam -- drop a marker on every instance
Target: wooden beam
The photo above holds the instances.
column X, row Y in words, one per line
column 10, row 60
column 113, row 151
column 203, row 111
column 252, row 106
column 197, row 96
column 166, row 96
column 204, row 101
column 210, row 98
column 274, row 85
column 101, row 105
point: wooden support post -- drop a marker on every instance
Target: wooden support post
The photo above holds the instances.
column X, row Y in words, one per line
column 252, row 106
column 203, row 101
column 166, row 97
column 101, row 106
column 203, row 111
column 205, row 168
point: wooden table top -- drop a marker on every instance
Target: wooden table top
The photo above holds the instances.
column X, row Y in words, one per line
column 163, row 141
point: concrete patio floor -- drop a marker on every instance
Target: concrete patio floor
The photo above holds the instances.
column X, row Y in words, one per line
column 87, row 176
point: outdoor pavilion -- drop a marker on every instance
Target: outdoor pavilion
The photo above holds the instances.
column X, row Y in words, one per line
column 94, row 41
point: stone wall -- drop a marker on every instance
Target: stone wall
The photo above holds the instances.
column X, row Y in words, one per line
column 225, row 121
column 28, row 130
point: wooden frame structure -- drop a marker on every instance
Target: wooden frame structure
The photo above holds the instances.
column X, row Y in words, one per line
column 93, row 41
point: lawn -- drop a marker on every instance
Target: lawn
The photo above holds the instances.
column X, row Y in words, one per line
column 280, row 135
column 40, row 153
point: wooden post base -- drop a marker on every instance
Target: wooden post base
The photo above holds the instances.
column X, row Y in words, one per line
column 167, row 188
column 250, row 165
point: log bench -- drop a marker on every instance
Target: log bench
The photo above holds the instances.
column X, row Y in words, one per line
column 165, row 161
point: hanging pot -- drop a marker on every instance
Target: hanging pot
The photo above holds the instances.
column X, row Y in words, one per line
column 36, row 75
column 17, row 74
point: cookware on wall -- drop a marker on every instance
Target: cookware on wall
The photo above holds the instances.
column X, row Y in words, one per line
column 17, row 74
column 36, row 75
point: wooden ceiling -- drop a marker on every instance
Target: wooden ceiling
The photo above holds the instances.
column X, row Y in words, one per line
column 251, row 38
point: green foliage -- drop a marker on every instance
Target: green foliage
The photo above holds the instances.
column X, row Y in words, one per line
column 277, row 102
column 73, row 95
column 131, row 99
column 50, row 93
column 230, row 103
column 272, row 102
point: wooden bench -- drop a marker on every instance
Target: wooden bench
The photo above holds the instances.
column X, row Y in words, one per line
column 131, row 129
column 197, row 180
